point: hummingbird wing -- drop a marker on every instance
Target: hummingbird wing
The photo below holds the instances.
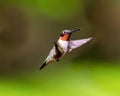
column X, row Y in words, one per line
column 58, row 52
column 77, row 43
column 50, row 58
column 43, row 65
column 54, row 55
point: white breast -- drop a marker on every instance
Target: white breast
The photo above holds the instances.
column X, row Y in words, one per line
column 63, row 44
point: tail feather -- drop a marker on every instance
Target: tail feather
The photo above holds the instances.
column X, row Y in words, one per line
column 43, row 65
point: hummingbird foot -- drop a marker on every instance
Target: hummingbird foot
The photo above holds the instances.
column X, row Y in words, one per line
column 57, row 59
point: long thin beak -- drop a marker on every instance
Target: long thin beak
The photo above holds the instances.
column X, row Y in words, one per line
column 75, row 30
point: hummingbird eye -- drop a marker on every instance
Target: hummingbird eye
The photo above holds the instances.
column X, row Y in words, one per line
column 65, row 33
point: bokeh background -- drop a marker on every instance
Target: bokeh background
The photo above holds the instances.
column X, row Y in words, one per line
column 28, row 29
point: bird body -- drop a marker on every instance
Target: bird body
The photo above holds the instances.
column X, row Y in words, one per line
column 62, row 46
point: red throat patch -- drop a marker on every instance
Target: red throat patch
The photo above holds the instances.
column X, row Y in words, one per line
column 65, row 37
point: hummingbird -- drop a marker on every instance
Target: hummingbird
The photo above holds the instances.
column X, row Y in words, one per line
column 63, row 45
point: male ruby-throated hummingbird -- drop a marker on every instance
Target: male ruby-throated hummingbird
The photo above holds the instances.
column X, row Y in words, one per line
column 63, row 45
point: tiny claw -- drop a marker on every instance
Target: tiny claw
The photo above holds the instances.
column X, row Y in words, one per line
column 57, row 60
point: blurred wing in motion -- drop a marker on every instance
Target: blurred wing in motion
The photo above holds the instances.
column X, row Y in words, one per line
column 77, row 43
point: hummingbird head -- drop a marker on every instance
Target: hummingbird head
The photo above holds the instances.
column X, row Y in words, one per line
column 65, row 35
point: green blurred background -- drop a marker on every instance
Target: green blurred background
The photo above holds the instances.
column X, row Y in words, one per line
column 28, row 29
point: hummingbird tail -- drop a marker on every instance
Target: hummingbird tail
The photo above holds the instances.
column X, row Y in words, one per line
column 43, row 65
